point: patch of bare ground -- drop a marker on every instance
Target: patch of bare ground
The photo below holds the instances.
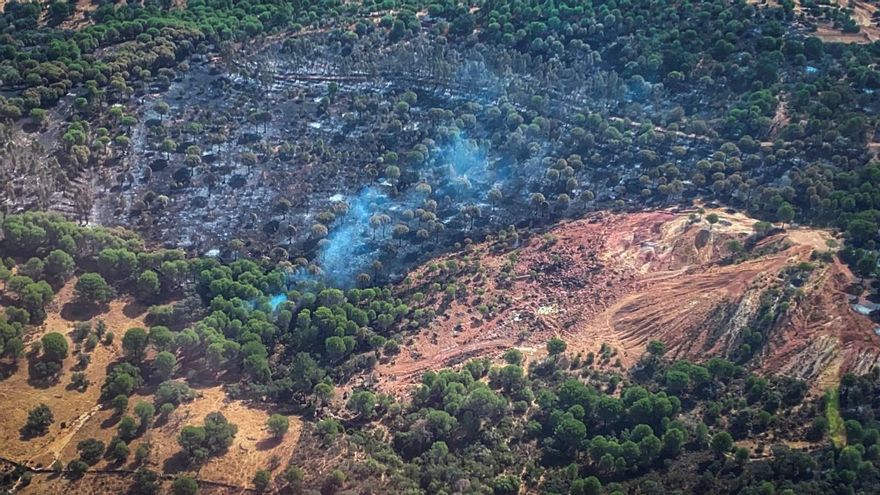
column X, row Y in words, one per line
column 831, row 34
column 253, row 448
column 625, row 279
column 823, row 337
column 862, row 13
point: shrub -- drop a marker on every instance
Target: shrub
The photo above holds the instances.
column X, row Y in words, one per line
column 278, row 425
column 261, row 480
column 38, row 421
column 184, row 485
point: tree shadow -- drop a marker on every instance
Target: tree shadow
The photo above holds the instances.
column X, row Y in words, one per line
column 133, row 309
column 7, row 370
column 74, row 311
column 111, row 421
column 176, row 463
column 72, row 387
column 31, row 127
column 26, row 434
column 269, row 443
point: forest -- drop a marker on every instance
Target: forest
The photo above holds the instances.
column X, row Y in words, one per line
column 228, row 228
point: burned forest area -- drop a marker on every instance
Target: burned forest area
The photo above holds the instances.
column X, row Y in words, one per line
column 502, row 247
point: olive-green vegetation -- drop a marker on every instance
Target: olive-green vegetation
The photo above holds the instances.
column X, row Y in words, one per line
column 561, row 426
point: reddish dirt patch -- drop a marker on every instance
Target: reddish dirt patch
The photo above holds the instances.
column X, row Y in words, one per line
column 622, row 280
column 824, row 333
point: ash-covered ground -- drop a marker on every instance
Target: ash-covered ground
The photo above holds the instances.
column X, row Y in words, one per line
column 356, row 161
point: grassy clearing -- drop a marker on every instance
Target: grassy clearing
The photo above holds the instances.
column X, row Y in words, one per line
column 835, row 422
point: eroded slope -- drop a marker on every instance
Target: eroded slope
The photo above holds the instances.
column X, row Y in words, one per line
column 610, row 283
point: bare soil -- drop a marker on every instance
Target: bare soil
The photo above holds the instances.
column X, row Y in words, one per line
column 625, row 279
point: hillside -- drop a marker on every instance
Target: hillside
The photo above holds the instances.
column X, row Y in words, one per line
column 439, row 247
column 622, row 280
column 79, row 415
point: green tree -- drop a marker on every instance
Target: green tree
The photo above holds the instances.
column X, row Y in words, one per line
column 127, row 428
column 712, row 218
column 164, row 365
column 54, row 346
column 513, row 356
column 145, row 412
column 119, row 450
column 122, row 380
column 77, row 468
column 328, row 429
column 556, row 346
column 141, row 453
column 219, row 433
column 146, row 482
column 586, row 486
column 570, row 434
column 192, row 440
column 38, row 420
column 174, row 393
column 293, row 475
column 335, row 347
column 59, row 265
column 120, row 403
column 148, row 285
column 785, row 213
column 161, row 338
column 656, row 348
column 184, row 485
column 721, row 443
column 34, row 296
column 90, row 450
column 91, row 288
column 261, row 480
column 134, row 343
column 362, row 403
column 677, row 381
column 505, row 484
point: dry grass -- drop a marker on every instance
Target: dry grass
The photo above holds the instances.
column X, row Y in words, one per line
column 70, row 407
column 252, row 449
column 861, row 13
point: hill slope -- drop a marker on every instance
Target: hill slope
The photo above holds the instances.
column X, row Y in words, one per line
column 626, row 279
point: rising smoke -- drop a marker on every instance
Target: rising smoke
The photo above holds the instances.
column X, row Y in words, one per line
column 460, row 174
